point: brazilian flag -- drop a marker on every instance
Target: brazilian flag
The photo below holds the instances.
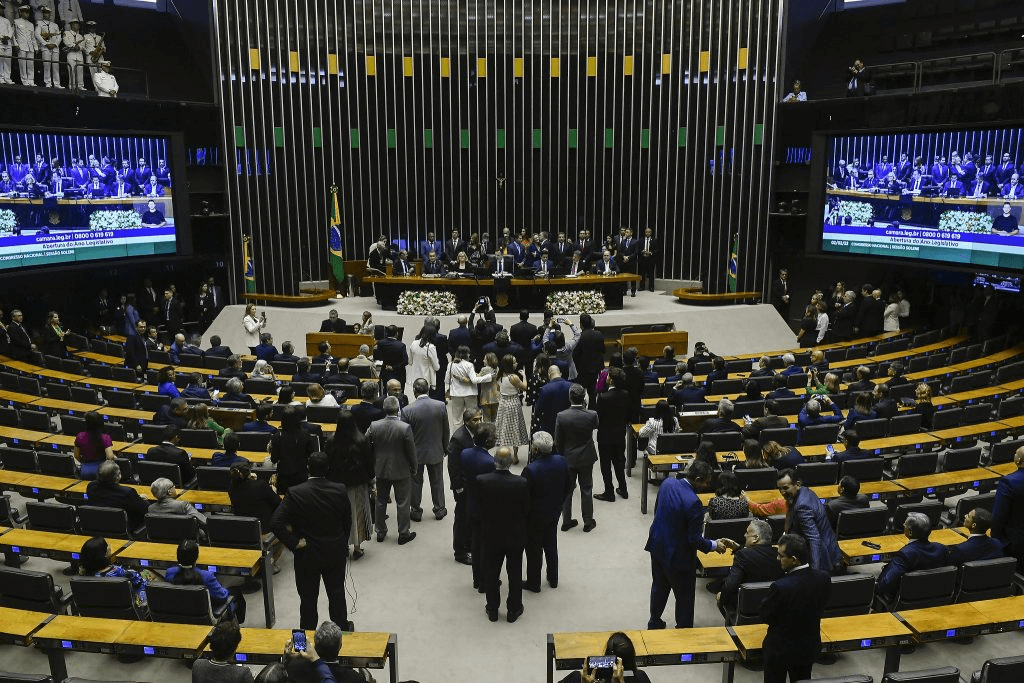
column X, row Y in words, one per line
column 334, row 241
column 734, row 263
column 247, row 265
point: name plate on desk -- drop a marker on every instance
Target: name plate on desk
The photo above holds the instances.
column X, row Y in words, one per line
column 695, row 658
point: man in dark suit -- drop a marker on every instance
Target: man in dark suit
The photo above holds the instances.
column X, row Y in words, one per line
column 461, row 440
column 474, row 462
column 400, row 266
column 606, row 265
column 673, row 542
column 341, row 375
column 870, row 314
column 722, row 422
column 393, row 355
column 853, row 451
column 327, row 645
column 547, row 476
column 627, row 257
column 136, row 355
column 792, row 610
column 170, row 313
column 806, row 516
column 500, row 264
column 394, row 452
column 772, row 419
column 20, row 343
column 863, row 382
column 216, row 348
column 845, row 317
column 433, row 265
column 325, row 358
column 686, row 392
column 588, row 356
column 366, row 412
column 979, row 545
column 393, row 388
column 780, row 293
column 1008, row 511
column 524, row 331
column 634, row 385
column 431, row 244
column 612, row 414
column 265, row 350
column 287, row 354
column 756, row 561
column 574, row 439
column 919, row 553
column 429, row 421
column 883, row 404
column 334, row 323
column 169, row 452
column 461, row 335
column 107, row 491
column 504, row 500
column 552, row 398
column 313, row 521
column 850, row 498
column 453, row 246
column 174, row 412
column 647, row 255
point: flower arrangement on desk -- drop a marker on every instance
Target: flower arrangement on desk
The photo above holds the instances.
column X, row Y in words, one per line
column 575, row 302
column 114, row 220
column 413, row 302
column 860, row 212
column 8, row 221
column 965, row 221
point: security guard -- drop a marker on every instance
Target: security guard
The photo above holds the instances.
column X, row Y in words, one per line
column 48, row 38
column 74, row 42
column 25, row 41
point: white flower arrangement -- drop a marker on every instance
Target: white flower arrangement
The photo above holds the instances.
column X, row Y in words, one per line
column 575, row 302
column 8, row 221
column 413, row 302
column 860, row 212
column 114, row 220
column 965, row 221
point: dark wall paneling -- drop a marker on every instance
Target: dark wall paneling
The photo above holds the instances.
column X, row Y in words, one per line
column 483, row 114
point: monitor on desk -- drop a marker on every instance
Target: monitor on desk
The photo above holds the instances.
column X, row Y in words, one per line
column 526, row 273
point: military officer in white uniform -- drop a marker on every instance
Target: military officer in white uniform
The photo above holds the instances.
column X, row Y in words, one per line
column 94, row 48
column 68, row 10
column 48, row 38
column 25, row 41
column 74, row 43
column 106, row 84
column 6, row 49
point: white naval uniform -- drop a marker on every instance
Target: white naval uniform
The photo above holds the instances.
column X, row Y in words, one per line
column 74, row 41
column 50, row 55
column 25, row 40
column 6, row 49
column 106, row 84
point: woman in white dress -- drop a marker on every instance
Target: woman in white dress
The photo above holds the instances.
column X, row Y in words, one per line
column 511, row 425
column 253, row 325
column 423, row 361
column 891, row 317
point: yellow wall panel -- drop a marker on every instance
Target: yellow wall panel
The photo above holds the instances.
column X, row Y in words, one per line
column 518, row 67
column 666, row 64
column 627, row 65
column 293, row 61
column 254, row 58
column 705, row 61
column 481, row 67
column 741, row 58
column 332, row 64
column 591, row 66
column 371, row 65
column 556, row 67
column 407, row 66
column 446, row 67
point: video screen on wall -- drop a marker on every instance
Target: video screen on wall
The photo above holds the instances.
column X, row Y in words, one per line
column 76, row 197
column 949, row 196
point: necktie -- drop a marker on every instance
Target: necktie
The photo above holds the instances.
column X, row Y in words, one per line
column 501, row 265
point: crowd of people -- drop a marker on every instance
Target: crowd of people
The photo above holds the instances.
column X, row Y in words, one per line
column 87, row 177
column 29, row 30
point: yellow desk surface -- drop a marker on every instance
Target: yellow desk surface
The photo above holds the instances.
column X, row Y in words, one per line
column 668, row 644
column 271, row 641
column 12, row 478
column 970, row 431
column 125, row 413
column 868, row 488
column 85, row 629
column 21, row 623
column 864, row 627
column 164, row 553
column 46, row 482
column 1002, row 610
column 187, row 637
column 79, row 489
column 893, row 543
column 933, row 622
column 197, row 454
column 51, row 540
column 750, row 636
column 204, row 498
column 68, row 442
column 578, row 646
column 943, row 479
column 30, row 436
column 1003, row 468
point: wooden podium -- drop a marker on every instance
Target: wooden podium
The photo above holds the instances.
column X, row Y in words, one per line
column 342, row 345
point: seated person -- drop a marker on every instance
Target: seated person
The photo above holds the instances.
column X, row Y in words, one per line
column 287, row 354
column 863, row 382
column 772, row 419
column 233, row 392
column 400, row 266
column 1005, row 223
column 810, row 414
column 106, row 491
column 1014, row 189
column 185, row 573
column 781, row 457
column 575, row 265
column 780, row 388
column 764, row 368
column 853, row 450
column 726, row 503
column 850, row 498
column 750, row 392
column 92, row 446
column 334, row 323
column 96, row 561
column 260, row 424
column 884, row 405
column 701, row 354
column 229, row 457
column 757, row 560
column 305, row 375
column 667, row 358
column 264, row 370
column 861, row 410
column 680, row 370
column 924, row 406
column 286, row 395
column 327, row 646
column 252, row 497
column 544, row 266
column 265, row 350
column 233, row 368
column 196, row 387
column 164, row 502
column 789, row 365
column 919, row 553
column 318, row 397
column 621, row 647
column 606, row 265
column 721, row 422
column 718, row 371
column 896, row 377
column 953, row 187
column 200, row 418
column 686, row 392
column 433, row 265
column 325, row 358
column 173, row 413
column 168, row 451
column 152, row 188
column 224, row 640
column 165, row 385
column 342, row 375
column 461, row 265
column 152, row 217
column 216, row 349
column 818, row 361
column 979, row 545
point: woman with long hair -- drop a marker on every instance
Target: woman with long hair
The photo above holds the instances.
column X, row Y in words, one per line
column 165, row 382
column 290, row 449
column 489, row 394
column 807, row 335
column 253, row 325
column 423, row 361
column 621, row 647
column 510, row 423
column 92, row 446
column 924, row 406
column 537, row 380
column 95, row 560
column 663, row 422
column 861, row 410
column 727, row 503
column 199, row 418
column 351, row 464
column 602, row 377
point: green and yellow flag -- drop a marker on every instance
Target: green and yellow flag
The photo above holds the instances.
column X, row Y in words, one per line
column 734, row 264
column 247, row 265
column 334, row 241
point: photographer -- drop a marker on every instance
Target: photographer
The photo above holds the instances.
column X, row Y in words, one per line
column 621, row 648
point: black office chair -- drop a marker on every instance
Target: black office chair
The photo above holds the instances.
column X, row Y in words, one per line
column 35, row 419
column 853, row 678
column 229, row 531
column 759, row 479
column 748, row 603
column 977, row 413
column 165, row 528
column 724, row 441
column 57, row 390
column 945, row 674
column 19, row 459
column 56, row 464
column 260, row 386
column 85, row 395
column 121, row 399
column 872, row 429
column 851, row 594
column 190, row 360
column 71, row 425
column 8, row 417
column 1001, row 670
column 217, row 363
column 961, row 459
column 153, row 433
column 866, row 469
column 213, row 478
column 7, row 677
column 95, row 520
column 255, row 441
column 862, row 523
column 905, row 424
column 916, row 464
column 149, row 471
column 184, row 604
column 784, row 436
column 820, row 434
column 651, row 390
column 1010, row 407
column 947, row 419
column 103, row 597
column 967, row 503
column 922, row 588
column 151, row 402
column 678, row 442
column 818, row 473
column 198, row 438
column 932, row 509
column 35, row 591
column 319, row 414
column 55, row 517
column 986, row 579
column 727, row 528
column 1003, row 451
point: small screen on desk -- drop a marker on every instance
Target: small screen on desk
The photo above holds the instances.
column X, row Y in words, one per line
column 951, row 633
column 866, row 642
column 66, row 644
column 147, row 650
column 76, row 556
column 685, row 658
column 144, row 563
column 876, row 558
column 15, row 549
column 874, row 496
column 239, row 657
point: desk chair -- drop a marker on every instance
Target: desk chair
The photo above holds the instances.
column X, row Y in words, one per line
column 6, row 677
column 94, row 520
column 198, row 438
column 85, row 395
column 868, row 469
column 1010, row 407
column 820, row 434
column 30, row 385
column 103, row 597
column 1003, row 451
column 961, row 459
column 947, row 419
column 190, row 360
column 149, row 471
column 164, row 528
column 784, row 436
column 159, row 357
column 945, row 674
column 999, row 670
column 854, row 678
column 758, row 479
column 9, row 381
column 318, row 414
column 120, row 399
column 923, row 588
column 726, row 386
column 778, row 525
column 260, row 386
column 977, row 413
column 213, row 478
column 72, row 424
column 727, row 528
column 151, row 402
column 752, row 408
column 723, row 441
column 851, row 594
column 748, row 603
column 57, row 390
column 257, row 441
column 284, row 367
column 57, row 464
column 35, row 419
column 8, row 417
column 933, row 509
column 916, row 464
column 905, row 424
column 217, row 363
column 862, row 523
column 874, row 428
column 9, row 515
column 968, row 503
column 152, row 433
column 342, row 392
column 986, row 580
column 56, row 517
column 818, row 473
column 22, row 589
column 678, row 442
column 184, row 604
column 19, row 459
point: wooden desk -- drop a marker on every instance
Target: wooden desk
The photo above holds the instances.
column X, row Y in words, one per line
column 22, row 437
column 183, row 641
column 749, row 638
column 49, row 544
column 1003, row 468
column 967, row 435
column 207, row 501
column 1006, row 614
column 342, row 345
column 568, row 650
column 855, row 552
column 15, row 398
column 945, row 622
column 668, row 647
column 78, row 491
column 890, row 444
column 18, row 625
column 230, row 561
column 66, row 443
column 884, row 490
column 41, row 486
column 358, row 650
column 950, row 483
column 652, row 344
column 201, row 456
column 867, row 631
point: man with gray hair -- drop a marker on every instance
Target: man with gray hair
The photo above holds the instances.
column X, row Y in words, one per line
column 723, row 421
column 574, row 439
column 164, row 502
column 504, row 500
column 394, row 451
column 429, row 422
column 547, row 476
column 363, row 360
column 757, row 560
column 810, row 414
column 327, row 645
column 106, row 491
column 919, row 553
column 845, row 317
column 791, row 368
column 461, row 335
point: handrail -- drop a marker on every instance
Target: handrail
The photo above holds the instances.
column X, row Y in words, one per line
column 65, row 70
column 992, row 55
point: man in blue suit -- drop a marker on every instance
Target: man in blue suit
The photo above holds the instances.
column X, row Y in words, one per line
column 673, row 542
column 979, row 545
column 1008, row 511
column 544, row 266
column 96, row 189
column 548, row 478
column 686, row 392
column 433, row 265
column 940, row 171
column 807, row 516
column 431, row 244
column 606, row 265
column 883, row 168
column 265, row 350
column 904, row 168
column 1005, row 169
column 474, row 462
column 552, row 399
column 919, row 553
column 1014, row 189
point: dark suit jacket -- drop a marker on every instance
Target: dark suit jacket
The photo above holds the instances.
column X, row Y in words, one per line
column 635, row 387
column 860, row 386
column 121, row 497
column 549, row 483
column 339, row 326
column 690, row 394
column 837, row 505
column 318, row 511
column 675, row 535
column 135, row 352
column 792, row 609
column 718, row 424
column 452, row 249
column 394, row 356
column 869, row 317
column 366, row 414
column 613, row 415
column 504, row 500
column 756, row 563
column 973, row 549
column 753, row 430
column 168, row 452
column 843, row 322
column 808, row 518
column 552, row 398
column 911, row 557
column 475, row 461
column 20, row 342
column 1008, row 513
column 574, row 436
column 460, row 441
column 589, row 353
column 522, row 333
